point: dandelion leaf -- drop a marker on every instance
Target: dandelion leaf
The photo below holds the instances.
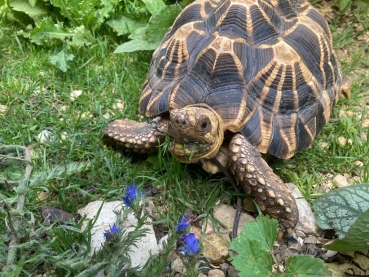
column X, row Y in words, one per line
column 154, row 6
column 159, row 24
column 127, row 23
column 61, row 59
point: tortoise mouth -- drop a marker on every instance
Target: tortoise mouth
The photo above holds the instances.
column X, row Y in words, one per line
column 197, row 133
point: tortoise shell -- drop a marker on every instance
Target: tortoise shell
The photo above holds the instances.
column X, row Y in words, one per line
column 267, row 67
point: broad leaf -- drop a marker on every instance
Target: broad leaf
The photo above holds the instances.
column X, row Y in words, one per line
column 160, row 23
column 135, row 45
column 305, row 266
column 340, row 208
column 154, row 6
column 61, row 59
column 36, row 12
column 127, row 23
column 357, row 237
column 48, row 30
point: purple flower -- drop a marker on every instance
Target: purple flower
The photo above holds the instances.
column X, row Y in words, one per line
column 180, row 227
column 112, row 231
column 130, row 196
column 192, row 244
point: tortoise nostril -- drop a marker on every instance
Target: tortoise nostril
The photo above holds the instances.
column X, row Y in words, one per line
column 183, row 123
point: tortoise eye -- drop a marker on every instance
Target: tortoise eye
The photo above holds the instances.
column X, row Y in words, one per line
column 204, row 126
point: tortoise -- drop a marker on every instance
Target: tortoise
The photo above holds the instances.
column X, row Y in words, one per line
column 235, row 79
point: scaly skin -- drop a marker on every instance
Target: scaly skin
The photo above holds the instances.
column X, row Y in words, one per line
column 139, row 137
column 257, row 178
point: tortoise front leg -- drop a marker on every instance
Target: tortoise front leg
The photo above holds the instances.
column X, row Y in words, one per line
column 257, row 178
column 140, row 137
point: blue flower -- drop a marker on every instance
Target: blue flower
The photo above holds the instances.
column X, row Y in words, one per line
column 180, row 227
column 112, row 231
column 130, row 196
column 192, row 244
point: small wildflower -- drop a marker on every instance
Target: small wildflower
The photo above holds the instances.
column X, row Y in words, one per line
column 130, row 196
column 180, row 227
column 192, row 244
column 112, row 231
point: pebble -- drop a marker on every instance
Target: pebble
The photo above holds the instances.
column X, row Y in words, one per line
column 226, row 214
column 342, row 140
column 365, row 123
column 340, row 181
column 215, row 248
column 119, row 104
column 216, row 273
column 75, row 94
column 178, row 266
column 161, row 243
column 3, row 109
column 44, row 137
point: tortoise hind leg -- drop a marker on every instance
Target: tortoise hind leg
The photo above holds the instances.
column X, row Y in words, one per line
column 257, row 178
column 140, row 137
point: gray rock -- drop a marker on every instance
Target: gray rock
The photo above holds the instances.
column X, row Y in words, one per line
column 307, row 222
column 106, row 220
column 216, row 273
column 178, row 266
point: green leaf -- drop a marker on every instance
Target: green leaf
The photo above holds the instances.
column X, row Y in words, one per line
column 32, row 2
column 159, row 24
column 61, row 59
column 48, row 30
column 340, row 208
column 344, row 4
column 357, row 237
column 135, row 45
column 81, row 37
column 154, row 6
column 127, row 23
column 305, row 266
column 254, row 246
column 36, row 12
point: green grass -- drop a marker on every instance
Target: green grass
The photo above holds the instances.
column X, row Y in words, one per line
column 37, row 96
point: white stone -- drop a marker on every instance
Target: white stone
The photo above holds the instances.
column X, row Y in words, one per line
column 161, row 243
column 307, row 222
column 106, row 220
column 75, row 94
column 44, row 137
column 340, row 181
column 3, row 109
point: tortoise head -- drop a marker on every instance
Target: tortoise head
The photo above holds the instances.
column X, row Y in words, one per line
column 197, row 132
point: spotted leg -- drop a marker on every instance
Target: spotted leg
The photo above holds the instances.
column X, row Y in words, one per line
column 257, row 179
column 140, row 137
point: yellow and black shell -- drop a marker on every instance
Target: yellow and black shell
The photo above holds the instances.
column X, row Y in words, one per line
column 266, row 66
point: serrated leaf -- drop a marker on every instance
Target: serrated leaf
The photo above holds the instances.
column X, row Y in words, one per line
column 36, row 12
column 340, row 208
column 305, row 266
column 154, row 6
column 159, row 24
column 48, row 30
column 357, row 237
column 81, row 37
column 252, row 258
column 135, row 45
column 253, row 247
column 127, row 23
column 61, row 59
